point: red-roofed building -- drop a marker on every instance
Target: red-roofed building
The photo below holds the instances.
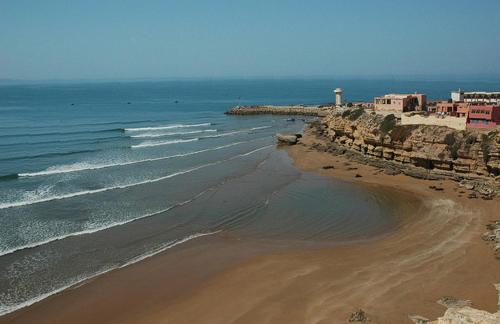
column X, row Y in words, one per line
column 483, row 116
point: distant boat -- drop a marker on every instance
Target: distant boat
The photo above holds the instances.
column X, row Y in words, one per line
column 290, row 120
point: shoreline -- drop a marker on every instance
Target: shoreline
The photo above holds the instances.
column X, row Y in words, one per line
column 304, row 284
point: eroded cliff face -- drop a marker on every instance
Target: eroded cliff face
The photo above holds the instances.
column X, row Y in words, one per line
column 441, row 149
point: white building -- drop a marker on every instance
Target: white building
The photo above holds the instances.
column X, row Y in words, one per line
column 481, row 97
column 457, row 96
column 338, row 96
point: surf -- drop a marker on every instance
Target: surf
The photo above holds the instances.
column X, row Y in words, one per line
column 100, row 228
column 153, row 144
column 153, row 135
column 79, row 167
column 140, row 129
column 23, row 203
column 79, row 280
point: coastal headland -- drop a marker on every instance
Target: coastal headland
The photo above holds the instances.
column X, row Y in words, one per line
column 437, row 253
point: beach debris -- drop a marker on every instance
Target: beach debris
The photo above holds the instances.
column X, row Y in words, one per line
column 418, row 319
column 284, row 139
column 352, row 168
column 327, row 167
column 452, row 302
column 358, row 316
column 358, row 175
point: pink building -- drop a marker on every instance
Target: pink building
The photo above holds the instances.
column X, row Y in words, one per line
column 483, row 116
column 456, row 109
column 400, row 103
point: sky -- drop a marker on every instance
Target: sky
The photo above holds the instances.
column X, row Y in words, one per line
column 125, row 39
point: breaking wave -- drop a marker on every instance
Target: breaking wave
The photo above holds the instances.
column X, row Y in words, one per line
column 140, row 129
column 123, row 186
column 98, row 228
column 152, row 144
column 78, row 167
column 5, row 310
column 153, row 135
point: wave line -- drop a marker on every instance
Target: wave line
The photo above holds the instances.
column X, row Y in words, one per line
column 140, row 129
column 77, row 281
column 98, row 229
column 95, row 191
column 87, row 167
column 153, row 144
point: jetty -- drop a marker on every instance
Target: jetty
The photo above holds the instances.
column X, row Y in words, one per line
column 319, row 111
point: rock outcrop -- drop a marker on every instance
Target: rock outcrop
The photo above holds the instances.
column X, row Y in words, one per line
column 461, row 312
column 287, row 139
column 418, row 150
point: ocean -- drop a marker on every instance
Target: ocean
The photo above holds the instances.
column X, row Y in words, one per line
column 97, row 176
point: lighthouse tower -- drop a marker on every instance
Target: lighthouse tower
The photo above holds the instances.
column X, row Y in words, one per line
column 338, row 97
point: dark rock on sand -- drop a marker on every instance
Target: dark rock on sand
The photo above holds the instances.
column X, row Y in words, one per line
column 450, row 302
column 359, row 316
column 284, row 139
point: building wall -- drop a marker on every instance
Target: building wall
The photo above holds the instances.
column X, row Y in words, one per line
column 483, row 116
column 458, row 123
column 457, row 96
column 401, row 102
column 459, row 109
column 393, row 105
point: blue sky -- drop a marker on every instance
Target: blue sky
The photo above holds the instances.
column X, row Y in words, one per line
column 222, row 38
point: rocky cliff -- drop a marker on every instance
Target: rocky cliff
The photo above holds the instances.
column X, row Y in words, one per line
column 438, row 150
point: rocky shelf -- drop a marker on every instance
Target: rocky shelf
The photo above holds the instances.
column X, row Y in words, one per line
column 430, row 152
column 279, row 110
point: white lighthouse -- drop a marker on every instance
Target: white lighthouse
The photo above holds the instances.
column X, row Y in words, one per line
column 338, row 97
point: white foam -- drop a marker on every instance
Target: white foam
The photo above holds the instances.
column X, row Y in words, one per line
column 154, row 135
column 260, row 127
column 98, row 229
column 80, row 280
column 236, row 132
column 77, row 167
column 90, row 192
column 153, row 144
column 140, row 129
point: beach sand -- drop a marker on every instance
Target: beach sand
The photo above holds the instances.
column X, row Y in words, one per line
column 222, row 279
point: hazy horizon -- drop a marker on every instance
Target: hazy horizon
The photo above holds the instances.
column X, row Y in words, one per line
column 127, row 40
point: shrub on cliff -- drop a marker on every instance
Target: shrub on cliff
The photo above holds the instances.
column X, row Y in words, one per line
column 453, row 144
column 356, row 113
column 402, row 132
column 388, row 123
column 486, row 140
column 346, row 113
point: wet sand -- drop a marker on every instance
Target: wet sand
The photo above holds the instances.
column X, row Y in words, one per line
column 221, row 279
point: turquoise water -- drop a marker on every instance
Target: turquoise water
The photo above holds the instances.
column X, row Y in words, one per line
column 98, row 176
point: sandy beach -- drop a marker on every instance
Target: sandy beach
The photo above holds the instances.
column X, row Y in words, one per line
column 222, row 279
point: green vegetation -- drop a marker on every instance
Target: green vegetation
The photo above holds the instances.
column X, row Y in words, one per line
column 388, row 123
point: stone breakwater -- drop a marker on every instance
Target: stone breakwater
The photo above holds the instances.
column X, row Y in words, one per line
column 429, row 152
column 279, row 110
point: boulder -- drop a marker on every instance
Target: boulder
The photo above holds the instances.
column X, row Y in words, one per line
column 284, row 139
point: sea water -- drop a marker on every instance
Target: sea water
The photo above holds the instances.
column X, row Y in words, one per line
column 96, row 176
